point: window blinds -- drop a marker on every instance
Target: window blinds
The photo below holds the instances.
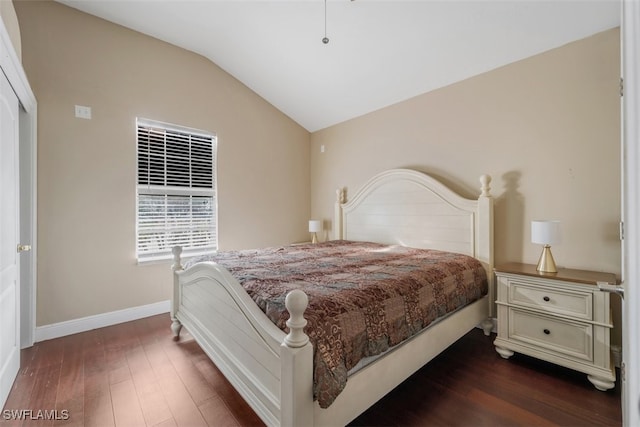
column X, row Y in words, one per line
column 176, row 191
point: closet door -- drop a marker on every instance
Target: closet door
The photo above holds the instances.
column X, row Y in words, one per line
column 630, row 34
column 9, row 232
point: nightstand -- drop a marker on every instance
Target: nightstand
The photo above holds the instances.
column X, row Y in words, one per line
column 559, row 317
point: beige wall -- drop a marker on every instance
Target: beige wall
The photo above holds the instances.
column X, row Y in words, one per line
column 86, row 168
column 547, row 129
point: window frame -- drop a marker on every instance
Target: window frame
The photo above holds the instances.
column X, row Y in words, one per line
column 173, row 191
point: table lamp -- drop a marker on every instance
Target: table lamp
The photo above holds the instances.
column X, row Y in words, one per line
column 315, row 226
column 546, row 233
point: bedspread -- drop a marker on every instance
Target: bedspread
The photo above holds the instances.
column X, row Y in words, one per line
column 363, row 297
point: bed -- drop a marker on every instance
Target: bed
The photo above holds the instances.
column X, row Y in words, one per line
column 274, row 370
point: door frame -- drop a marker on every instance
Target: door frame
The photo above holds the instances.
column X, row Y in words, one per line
column 11, row 65
column 630, row 36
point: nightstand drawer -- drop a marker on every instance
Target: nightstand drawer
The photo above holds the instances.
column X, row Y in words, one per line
column 569, row 338
column 574, row 304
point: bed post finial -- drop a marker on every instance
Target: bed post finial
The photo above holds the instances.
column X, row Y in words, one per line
column 337, row 214
column 296, row 356
column 485, row 180
column 296, row 303
column 177, row 263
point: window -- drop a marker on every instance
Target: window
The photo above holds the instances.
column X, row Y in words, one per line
column 176, row 190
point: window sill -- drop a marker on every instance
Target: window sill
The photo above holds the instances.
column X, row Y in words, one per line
column 168, row 258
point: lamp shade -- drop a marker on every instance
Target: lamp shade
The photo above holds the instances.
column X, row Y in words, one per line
column 545, row 232
column 315, row 226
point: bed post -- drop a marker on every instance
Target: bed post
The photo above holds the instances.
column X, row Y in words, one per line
column 485, row 244
column 296, row 355
column 176, row 326
column 337, row 215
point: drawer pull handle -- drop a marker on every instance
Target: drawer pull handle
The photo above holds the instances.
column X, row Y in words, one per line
column 546, row 331
column 547, row 299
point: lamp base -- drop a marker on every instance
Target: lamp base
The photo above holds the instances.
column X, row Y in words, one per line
column 546, row 264
column 314, row 238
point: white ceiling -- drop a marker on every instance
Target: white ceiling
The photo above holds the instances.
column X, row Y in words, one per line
column 379, row 53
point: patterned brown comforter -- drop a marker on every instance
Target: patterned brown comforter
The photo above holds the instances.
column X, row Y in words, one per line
column 363, row 297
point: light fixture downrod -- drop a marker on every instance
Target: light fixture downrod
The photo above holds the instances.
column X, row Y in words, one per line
column 325, row 39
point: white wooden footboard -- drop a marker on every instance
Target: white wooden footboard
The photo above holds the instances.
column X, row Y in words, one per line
column 271, row 370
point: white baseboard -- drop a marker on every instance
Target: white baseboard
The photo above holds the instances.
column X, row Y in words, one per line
column 69, row 327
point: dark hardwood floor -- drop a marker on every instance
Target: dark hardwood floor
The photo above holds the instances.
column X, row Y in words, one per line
column 133, row 374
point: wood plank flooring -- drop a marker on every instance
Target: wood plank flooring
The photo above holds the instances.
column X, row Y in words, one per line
column 133, row 374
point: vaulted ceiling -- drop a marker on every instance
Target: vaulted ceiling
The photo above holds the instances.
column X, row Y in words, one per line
column 379, row 52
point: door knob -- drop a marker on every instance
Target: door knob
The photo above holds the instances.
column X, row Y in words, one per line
column 24, row 248
column 614, row 289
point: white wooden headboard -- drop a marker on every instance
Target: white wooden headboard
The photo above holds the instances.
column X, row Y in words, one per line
column 410, row 208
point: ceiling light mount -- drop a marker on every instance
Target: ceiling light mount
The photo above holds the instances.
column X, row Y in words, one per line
column 325, row 39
